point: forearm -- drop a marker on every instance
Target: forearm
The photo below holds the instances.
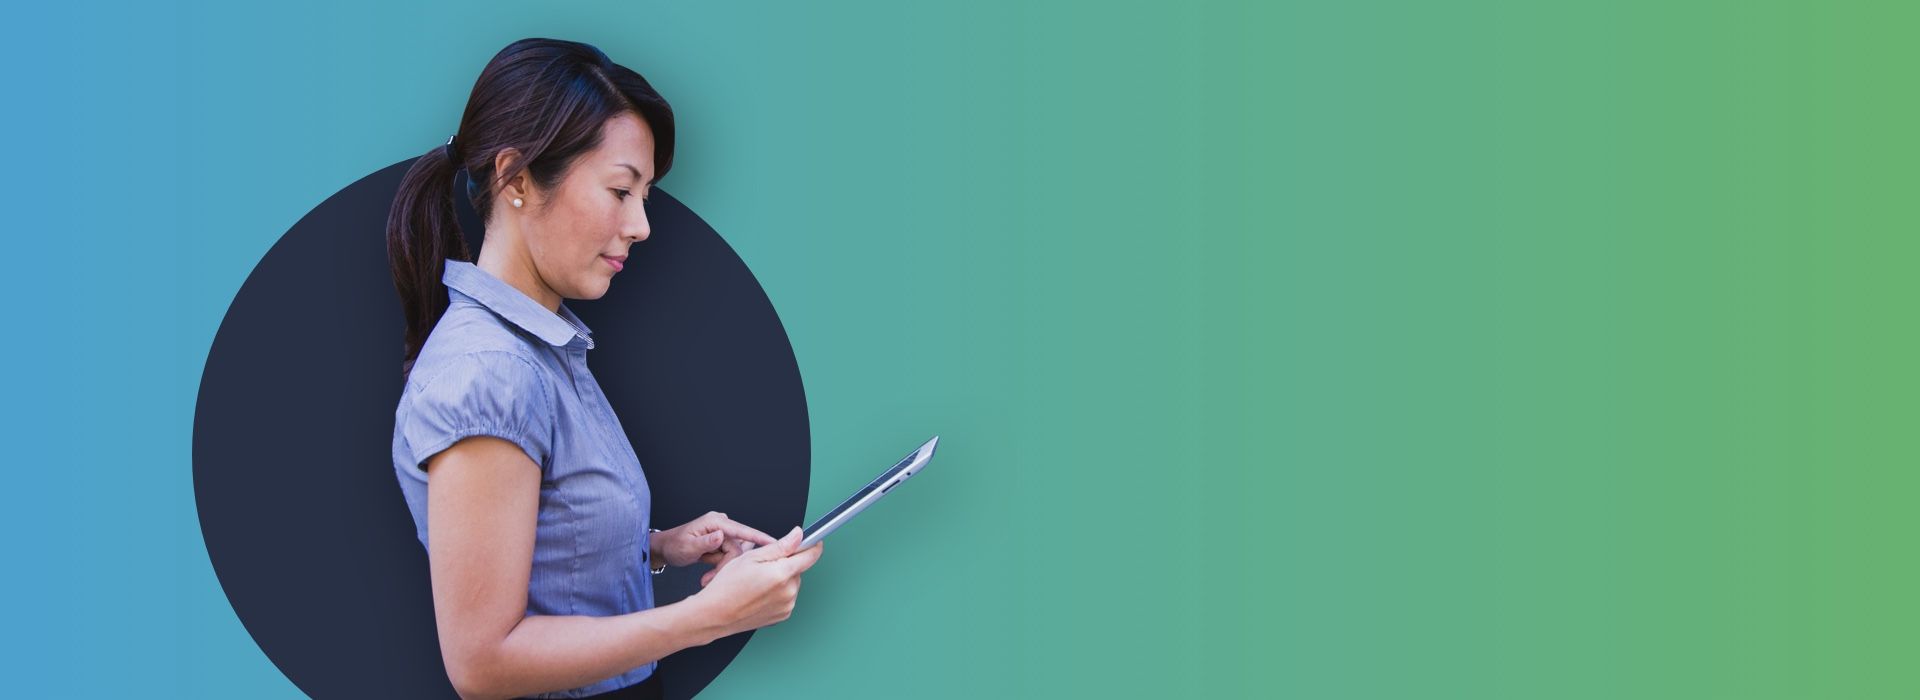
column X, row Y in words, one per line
column 550, row 652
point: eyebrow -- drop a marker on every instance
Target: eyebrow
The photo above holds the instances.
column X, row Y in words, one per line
column 636, row 171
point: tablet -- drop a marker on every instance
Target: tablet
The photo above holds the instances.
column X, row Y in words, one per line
column 867, row 496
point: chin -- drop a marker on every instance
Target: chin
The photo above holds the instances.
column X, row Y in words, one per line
column 595, row 290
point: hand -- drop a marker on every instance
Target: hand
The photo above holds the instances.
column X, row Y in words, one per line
column 728, row 552
column 758, row 588
column 711, row 538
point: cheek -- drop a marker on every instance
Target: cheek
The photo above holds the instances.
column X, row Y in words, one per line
column 561, row 253
column 581, row 237
column 591, row 223
column 573, row 231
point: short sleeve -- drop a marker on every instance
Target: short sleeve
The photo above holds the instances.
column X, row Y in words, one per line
column 492, row 393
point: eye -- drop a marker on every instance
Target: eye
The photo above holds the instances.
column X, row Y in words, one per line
column 624, row 193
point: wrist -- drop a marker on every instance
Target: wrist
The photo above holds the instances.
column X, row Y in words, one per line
column 656, row 562
column 699, row 618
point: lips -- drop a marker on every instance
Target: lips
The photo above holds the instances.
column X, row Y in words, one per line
column 617, row 263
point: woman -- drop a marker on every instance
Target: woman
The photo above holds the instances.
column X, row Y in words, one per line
column 506, row 450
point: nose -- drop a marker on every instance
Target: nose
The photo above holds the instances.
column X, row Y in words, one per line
column 636, row 228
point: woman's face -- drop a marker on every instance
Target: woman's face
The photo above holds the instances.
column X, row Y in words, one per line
column 577, row 234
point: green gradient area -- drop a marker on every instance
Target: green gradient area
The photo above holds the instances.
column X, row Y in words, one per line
column 1316, row 350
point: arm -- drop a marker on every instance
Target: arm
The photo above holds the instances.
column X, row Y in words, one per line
column 483, row 502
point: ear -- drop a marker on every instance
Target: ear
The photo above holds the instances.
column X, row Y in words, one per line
column 517, row 187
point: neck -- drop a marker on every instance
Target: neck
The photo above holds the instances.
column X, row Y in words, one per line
column 517, row 271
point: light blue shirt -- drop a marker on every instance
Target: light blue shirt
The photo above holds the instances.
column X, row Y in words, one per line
column 500, row 364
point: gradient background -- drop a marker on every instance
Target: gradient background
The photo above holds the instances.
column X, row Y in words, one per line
column 1321, row 350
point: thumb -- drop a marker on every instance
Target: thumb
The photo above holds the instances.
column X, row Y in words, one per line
column 712, row 540
column 780, row 549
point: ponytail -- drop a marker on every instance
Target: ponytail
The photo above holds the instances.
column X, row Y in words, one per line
column 423, row 232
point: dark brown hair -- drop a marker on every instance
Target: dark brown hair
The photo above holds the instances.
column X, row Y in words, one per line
column 550, row 100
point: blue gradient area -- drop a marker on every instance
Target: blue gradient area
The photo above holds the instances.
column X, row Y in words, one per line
column 128, row 236
column 158, row 150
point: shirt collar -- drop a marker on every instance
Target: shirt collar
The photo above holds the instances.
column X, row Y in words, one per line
column 467, row 279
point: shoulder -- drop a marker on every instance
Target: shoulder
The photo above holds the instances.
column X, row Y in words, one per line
column 490, row 383
column 471, row 337
column 477, row 368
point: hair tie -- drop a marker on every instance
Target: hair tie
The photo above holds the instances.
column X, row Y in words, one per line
column 453, row 156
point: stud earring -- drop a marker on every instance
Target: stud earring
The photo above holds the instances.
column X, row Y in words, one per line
column 517, row 202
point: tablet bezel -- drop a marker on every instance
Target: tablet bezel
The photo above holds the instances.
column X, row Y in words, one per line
column 869, row 494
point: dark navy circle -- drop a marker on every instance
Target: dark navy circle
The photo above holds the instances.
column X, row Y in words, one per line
column 293, row 431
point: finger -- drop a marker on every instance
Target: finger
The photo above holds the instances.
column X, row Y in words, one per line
column 707, row 578
column 766, row 554
column 791, row 542
column 802, row 561
column 742, row 532
column 723, row 564
column 783, row 547
column 728, row 551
